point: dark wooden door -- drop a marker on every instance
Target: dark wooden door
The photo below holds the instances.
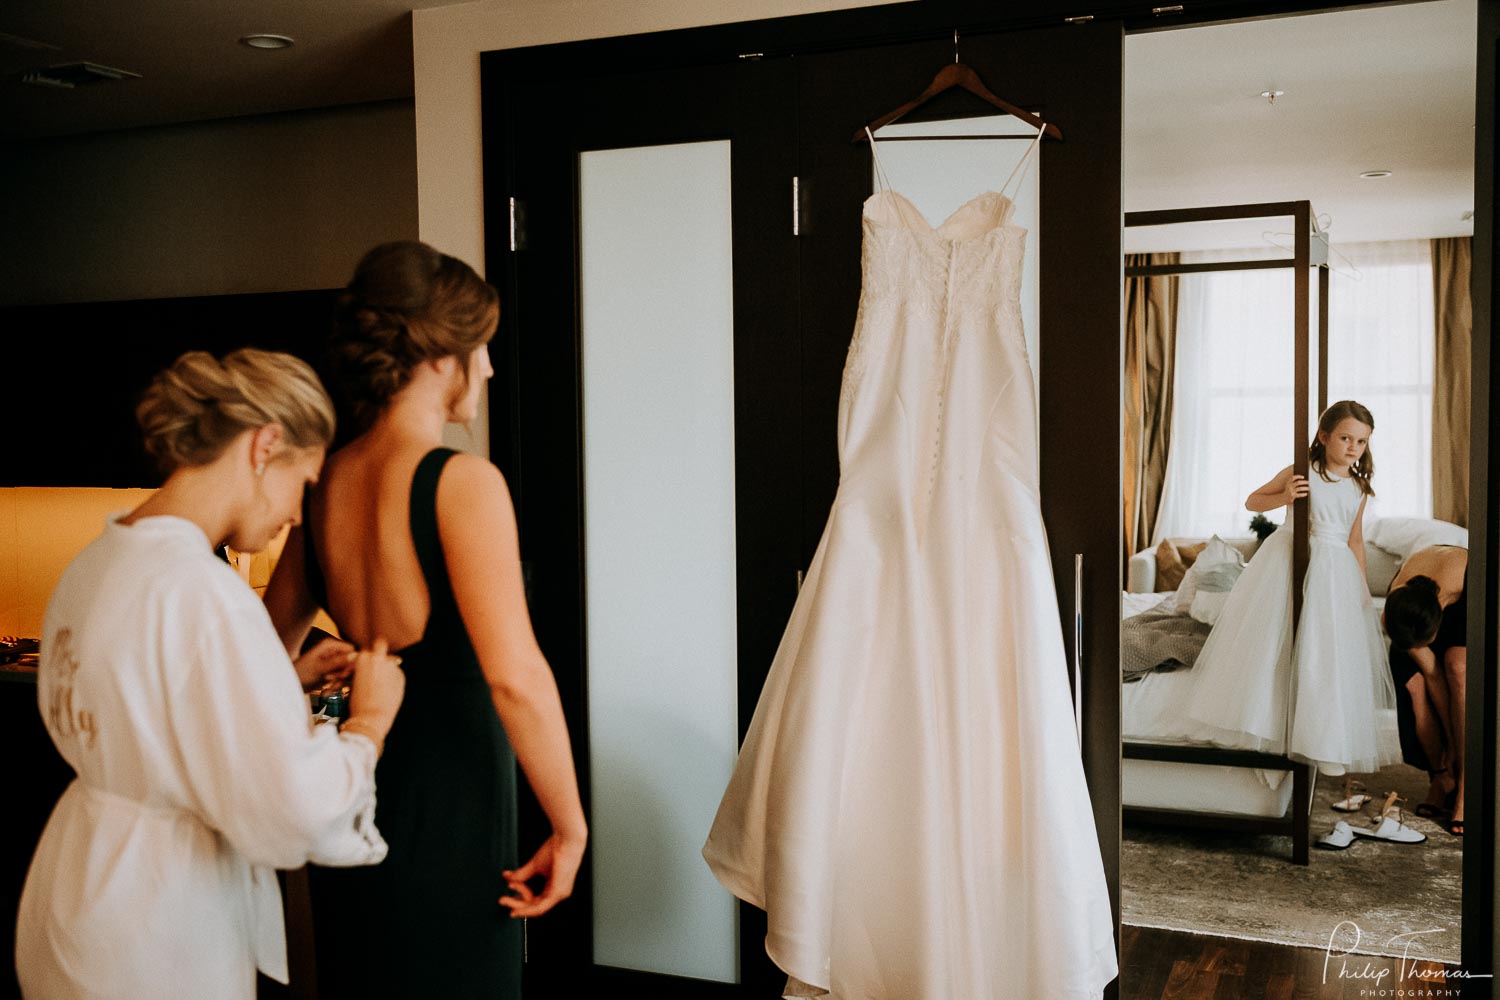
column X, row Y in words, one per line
column 538, row 425
column 795, row 299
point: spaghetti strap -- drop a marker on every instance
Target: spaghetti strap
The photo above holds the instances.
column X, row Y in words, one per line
column 882, row 183
column 1025, row 161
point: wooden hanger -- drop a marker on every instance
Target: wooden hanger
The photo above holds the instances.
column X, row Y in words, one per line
column 956, row 75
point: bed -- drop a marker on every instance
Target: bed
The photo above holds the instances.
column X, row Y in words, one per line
column 1170, row 780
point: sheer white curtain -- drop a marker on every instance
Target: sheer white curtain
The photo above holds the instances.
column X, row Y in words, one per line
column 1380, row 352
column 1232, row 415
column 1232, row 411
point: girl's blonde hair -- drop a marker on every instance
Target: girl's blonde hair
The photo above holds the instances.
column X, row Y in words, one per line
column 1317, row 455
column 194, row 408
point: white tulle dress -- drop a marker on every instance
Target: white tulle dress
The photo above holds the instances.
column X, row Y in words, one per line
column 1334, row 677
column 909, row 806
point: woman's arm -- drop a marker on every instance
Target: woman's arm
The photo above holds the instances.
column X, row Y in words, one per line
column 282, row 791
column 1429, row 728
column 1279, row 492
column 1437, row 684
column 1357, row 536
column 288, row 601
column 477, row 524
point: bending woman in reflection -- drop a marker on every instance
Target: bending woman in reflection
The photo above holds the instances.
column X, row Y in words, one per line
column 1426, row 616
column 413, row 541
column 164, row 687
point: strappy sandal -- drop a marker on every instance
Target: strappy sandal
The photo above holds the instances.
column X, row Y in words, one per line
column 1388, row 825
column 1429, row 811
column 1456, row 827
column 1354, row 796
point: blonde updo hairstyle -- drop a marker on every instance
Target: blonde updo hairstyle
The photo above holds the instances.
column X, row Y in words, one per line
column 196, row 407
column 407, row 304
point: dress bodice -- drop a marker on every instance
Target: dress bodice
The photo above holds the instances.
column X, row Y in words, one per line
column 937, row 373
column 1334, row 506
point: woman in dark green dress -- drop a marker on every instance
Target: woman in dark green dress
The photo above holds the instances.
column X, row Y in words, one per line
column 415, row 543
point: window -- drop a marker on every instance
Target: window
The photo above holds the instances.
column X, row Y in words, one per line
column 1232, row 413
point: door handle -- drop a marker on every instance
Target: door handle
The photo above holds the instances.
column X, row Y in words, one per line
column 1078, row 646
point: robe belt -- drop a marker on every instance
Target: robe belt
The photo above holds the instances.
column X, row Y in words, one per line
column 262, row 890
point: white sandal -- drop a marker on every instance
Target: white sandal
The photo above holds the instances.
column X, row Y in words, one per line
column 1393, row 830
column 1337, row 839
column 1354, row 796
column 1389, row 825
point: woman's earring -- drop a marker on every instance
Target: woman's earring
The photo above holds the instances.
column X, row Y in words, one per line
column 260, row 469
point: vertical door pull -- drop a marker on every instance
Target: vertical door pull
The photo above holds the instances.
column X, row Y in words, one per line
column 796, row 206
column 513, row 224
column 1078, row 645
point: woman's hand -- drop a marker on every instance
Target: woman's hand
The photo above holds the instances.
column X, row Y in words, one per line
column 378, row 688
column 330, row 659
column 558, row 861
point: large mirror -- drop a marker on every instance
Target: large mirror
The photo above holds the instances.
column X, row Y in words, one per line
column 1291, row 624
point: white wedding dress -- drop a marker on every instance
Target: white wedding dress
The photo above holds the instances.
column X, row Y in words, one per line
column 1334, row 676
column 909, row 806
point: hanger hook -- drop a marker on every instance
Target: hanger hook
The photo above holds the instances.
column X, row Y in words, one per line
column 955, row 46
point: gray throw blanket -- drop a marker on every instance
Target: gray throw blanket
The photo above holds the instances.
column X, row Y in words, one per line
column 1159, row 639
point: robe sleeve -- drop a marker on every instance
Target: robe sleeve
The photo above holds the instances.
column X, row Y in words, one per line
column 281, row 790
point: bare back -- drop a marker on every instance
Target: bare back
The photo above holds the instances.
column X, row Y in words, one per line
column 361, row 530
column 1446, row 565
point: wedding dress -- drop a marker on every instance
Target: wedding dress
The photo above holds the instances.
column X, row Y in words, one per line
column 909, row 805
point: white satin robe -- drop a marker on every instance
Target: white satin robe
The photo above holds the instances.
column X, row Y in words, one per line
column 164, row 685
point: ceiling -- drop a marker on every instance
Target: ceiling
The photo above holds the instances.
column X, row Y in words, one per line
column 191, row 64
column 1387, row 88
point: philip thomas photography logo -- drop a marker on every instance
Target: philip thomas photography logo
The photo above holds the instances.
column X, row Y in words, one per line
column 1416, row 976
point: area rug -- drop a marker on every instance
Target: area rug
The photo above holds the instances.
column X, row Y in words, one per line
column 1374, row 898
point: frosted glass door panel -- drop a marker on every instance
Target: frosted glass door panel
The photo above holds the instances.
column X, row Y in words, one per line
column 659, row 537
column 939, row 177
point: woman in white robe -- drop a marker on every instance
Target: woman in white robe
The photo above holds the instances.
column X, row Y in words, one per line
column 165, row 687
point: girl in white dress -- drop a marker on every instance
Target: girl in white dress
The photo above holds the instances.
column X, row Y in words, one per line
column 165, row 687
column 1333, row 676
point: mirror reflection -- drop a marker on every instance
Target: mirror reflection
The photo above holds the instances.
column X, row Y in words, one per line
column 1292, row 685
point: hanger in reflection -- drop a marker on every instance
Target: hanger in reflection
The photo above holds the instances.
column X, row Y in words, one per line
column 1349, row 270
column 956, row 74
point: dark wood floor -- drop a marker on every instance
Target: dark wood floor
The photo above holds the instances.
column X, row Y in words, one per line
column 1170, row 964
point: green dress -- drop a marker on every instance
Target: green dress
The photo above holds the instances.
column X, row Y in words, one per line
column 427, row 922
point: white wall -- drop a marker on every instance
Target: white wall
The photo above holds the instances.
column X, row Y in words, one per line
column 266, row 203
column 446, row 44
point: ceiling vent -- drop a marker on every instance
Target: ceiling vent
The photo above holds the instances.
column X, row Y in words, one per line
column 79, row 74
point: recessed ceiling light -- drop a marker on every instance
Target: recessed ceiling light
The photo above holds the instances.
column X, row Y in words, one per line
column 267, row 41
column 1375, row 175
column 1271, row 95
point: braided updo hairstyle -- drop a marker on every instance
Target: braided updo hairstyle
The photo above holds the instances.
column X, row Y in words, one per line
column 406, row 304
column 194, row 408
column 1413, row 612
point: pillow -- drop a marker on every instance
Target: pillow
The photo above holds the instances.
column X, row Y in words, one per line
column 1208, row 605
column 1381, row 568
column 1172, row 562
column 1401, row 536
column 1214, row 571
